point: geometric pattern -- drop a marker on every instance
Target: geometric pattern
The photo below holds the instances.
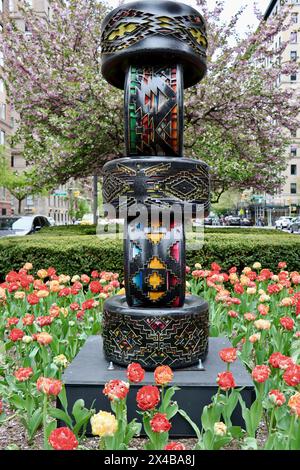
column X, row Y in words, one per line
column 155, row 265
column 156, row 181
column 128, row 27
column 154, row 111
column 176, row 339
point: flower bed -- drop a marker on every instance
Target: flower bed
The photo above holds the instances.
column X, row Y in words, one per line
column 45, row 319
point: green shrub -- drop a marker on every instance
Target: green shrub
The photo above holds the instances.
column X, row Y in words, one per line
column 81, row 253
column 67, row 230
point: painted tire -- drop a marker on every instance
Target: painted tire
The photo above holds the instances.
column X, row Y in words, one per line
column 177, row 337
column 155, row 264
column 154, row 111
column 157, row 181
column 153, row 33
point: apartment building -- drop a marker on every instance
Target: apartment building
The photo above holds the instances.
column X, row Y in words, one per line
column 57, row 203
column 287, row 202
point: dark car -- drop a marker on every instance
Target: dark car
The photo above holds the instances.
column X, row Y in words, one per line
column 233, row 220
column 246, row 222
column 20, row 226
column 295, row 225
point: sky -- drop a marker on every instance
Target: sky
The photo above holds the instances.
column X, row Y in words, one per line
column 248, row 18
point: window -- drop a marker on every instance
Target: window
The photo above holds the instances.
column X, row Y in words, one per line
column 29, row 201
column 2, row 137
column 12, row 161
column 293, row 188
column 294, row 17
column 1, row 86
column 3, row 211
column 294, row 56
column 293, row 152
column 1, row 59
column 11, row 5
column 293, row 170
column 294, row 37
column 294, row 133
column 1, row 6
column 3, row 111
column 293, row 77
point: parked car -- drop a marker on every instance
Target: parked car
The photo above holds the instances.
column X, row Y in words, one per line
column 211, row 220
column 246, row 222
column 233, row 220
column 6, row 225
column 51, row 220
column 282, row 222
column 295, row 225
column 20, row 226
column 291, row 222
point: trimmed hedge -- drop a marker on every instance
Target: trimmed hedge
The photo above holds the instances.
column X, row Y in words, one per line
column 81, row 253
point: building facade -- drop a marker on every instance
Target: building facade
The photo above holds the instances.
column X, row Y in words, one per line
column 56, row 204
column 287, row 201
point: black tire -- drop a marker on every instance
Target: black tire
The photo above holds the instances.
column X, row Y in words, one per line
column 177, row 337
column 154, row 265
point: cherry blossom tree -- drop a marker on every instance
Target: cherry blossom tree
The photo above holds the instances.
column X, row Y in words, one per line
column 237, row 120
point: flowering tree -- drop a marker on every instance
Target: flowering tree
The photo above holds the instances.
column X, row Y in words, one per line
column 20, row 185
column 72, row 119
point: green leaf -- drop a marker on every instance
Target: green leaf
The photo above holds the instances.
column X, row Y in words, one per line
column 220, row 442
column 236, row 432
column 249, row 443
column 35, row 423
column 170, row 392
column 133, row 429
column 63, row 398
column 61, row 415
column 192, row 424
column 18, row 402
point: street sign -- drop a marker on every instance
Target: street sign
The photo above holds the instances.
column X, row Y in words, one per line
column 60, row 193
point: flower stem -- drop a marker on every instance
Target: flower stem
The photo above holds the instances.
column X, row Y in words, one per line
column 291, row 429
column 45, row 404
column 272, row 420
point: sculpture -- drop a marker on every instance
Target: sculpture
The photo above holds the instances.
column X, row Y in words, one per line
column 154, row 50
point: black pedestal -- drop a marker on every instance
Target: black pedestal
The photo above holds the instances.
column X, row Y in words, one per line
column 87, row 374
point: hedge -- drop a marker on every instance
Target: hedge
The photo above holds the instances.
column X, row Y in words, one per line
column 82, row 253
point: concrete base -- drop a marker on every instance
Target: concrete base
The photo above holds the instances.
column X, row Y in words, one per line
column 89, row 371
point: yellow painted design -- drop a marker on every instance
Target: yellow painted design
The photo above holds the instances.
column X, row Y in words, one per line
column 155, row 263
column 155, row 280
column 199, row 37
column 155, row 295
column 164, row 19
column 164, row 22
column 122, row 30
column 155, row 237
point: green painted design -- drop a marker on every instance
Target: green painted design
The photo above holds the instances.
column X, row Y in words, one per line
column 132, row 112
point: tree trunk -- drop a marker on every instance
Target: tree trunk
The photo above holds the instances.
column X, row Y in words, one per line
column 20, row 205
column 95, row 199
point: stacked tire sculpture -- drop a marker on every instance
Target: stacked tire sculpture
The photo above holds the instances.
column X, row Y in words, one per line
column 153, row 50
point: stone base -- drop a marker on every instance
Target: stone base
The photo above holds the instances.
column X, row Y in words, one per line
column 89, row 371
column 177, row 337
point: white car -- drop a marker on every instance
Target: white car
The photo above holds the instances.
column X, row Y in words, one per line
column 51, row 221
column 21, row 226
column 283, row 222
